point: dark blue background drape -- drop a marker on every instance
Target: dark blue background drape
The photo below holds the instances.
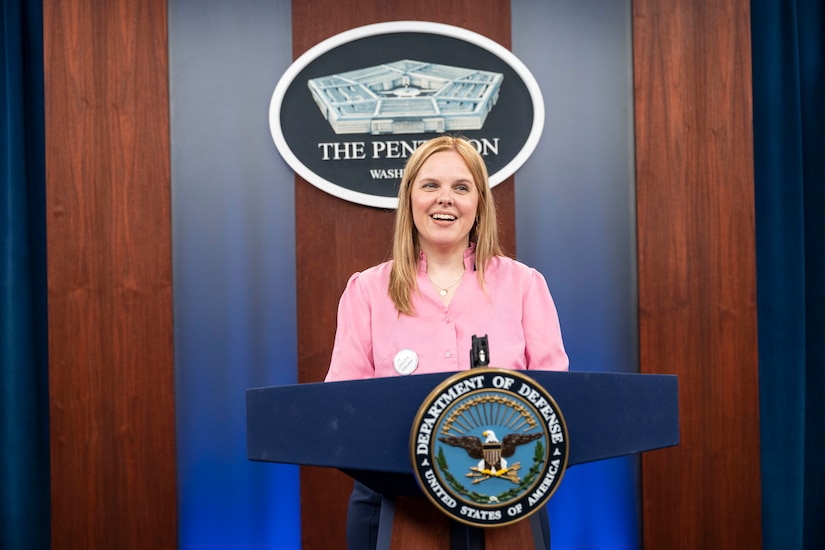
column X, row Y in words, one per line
column 24, row 405
column 789, row 162
column 789, row 146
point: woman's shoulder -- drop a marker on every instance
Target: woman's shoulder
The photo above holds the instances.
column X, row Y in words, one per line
column 509, row 266
column 376, row 275
column 503, row 270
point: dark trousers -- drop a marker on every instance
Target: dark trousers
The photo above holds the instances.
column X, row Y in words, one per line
column 362, row 518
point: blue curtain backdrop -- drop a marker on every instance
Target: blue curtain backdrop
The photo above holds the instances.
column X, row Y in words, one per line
column 577, row 226
column 233, row 243
column 789, row 151
column 24, row 405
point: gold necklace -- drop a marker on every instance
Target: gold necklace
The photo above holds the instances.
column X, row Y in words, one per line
column 443, row 290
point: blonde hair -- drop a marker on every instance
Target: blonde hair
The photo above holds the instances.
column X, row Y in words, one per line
column 405, row 245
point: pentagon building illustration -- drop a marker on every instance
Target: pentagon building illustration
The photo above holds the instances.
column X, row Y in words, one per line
column 406, row 97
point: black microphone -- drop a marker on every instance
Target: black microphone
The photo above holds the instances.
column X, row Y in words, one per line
column 480, row 352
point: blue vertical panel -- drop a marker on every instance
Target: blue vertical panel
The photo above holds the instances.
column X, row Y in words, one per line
column 575, row 222
column 234, row 267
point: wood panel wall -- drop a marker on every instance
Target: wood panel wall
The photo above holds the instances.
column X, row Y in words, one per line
column 111, row 371
column 697, row 267
column 336, row 238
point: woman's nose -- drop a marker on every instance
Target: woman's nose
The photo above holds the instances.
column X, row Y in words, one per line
column 445, row 197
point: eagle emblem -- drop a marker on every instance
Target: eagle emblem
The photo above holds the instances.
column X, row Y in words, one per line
column 488, row 446
column 492, row 454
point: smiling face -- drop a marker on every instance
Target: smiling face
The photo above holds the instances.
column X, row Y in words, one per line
column 444, row 200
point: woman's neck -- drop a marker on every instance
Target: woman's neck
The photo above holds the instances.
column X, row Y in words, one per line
column 444, row 261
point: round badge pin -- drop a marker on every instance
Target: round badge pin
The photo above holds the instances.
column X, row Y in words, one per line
column 405, row 362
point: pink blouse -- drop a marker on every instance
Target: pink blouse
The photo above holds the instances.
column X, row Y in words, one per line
column 517, row 314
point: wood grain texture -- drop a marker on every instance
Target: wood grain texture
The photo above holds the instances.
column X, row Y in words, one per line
column 697, row 287
column 111, row 373
column 337, row 238
column 419, row 524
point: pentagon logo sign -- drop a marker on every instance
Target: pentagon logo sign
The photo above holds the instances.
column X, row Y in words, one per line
column 348, row 112
column 489, row 447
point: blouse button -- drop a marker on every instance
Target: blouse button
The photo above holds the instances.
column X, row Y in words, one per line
column 448, row 354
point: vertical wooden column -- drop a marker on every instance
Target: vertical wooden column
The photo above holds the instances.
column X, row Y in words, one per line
column 111, row 372
column 697, row 284
column 337, row 238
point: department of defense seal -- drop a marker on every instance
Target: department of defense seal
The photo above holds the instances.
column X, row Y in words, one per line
column 489, row 446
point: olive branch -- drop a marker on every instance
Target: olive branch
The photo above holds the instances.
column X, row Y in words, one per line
column 538, row 460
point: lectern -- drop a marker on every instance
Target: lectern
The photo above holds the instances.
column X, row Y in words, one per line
column 363, row 428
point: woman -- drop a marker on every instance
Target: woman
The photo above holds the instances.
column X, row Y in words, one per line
column 447, row 282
